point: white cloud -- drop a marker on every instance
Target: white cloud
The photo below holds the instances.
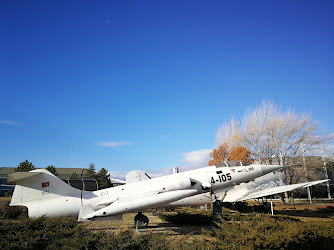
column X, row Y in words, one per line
column 153, row 173
column 328, row 150
column 10, row 123
column 113, row 144
column 117, row 175
column 192, row 160
column 196, row 159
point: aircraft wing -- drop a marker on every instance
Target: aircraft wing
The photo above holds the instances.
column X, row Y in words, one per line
column 311, row 183
column 276, row 190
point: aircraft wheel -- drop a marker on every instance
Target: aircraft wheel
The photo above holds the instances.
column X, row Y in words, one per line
column 142, row 220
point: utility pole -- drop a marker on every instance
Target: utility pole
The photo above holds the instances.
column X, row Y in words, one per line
column 326, row 174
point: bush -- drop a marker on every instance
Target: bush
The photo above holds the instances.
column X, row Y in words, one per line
column 236, row 231
column 8, row 212
column 67, row 233
column 267, row 232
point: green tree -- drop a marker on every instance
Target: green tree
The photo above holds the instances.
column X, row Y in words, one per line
column 102, row 176
column 52, row 169
column 90, row 173
column 25, row 166
column 102, row 179
column 74, row 176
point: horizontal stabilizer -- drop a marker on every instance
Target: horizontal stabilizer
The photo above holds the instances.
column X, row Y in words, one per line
column 13, row 178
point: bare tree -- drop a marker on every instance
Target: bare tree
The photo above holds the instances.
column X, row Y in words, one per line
column 230, row 134
column 271, row 134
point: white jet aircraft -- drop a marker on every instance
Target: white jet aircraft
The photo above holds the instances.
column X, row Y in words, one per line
column 46, row 195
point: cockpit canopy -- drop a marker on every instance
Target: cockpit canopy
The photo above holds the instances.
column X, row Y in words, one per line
column 232, row 164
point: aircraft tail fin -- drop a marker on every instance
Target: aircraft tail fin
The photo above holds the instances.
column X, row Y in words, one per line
column 135, row 176
column 37, row 185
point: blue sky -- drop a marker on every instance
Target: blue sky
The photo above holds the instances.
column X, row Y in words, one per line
column 146, row 84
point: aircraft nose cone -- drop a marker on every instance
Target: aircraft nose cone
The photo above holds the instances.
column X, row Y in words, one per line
column 269, row 168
